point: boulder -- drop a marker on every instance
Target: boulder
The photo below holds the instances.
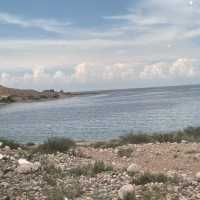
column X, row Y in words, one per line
column 25, row 167
column 1, row 156
column 7, row 148
column 134, row 168
column 198, row 176
column 126, row 192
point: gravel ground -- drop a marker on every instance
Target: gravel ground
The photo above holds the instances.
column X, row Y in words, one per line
column 61, row 176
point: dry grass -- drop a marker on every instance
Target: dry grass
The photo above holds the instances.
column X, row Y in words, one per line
column 90, row 169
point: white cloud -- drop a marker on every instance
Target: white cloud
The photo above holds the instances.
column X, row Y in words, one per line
column 50, row 25
column 159, row 20
column 59, row 75
column 90, row 74
column 181, row 68
column 157, row 70
column 139, row 45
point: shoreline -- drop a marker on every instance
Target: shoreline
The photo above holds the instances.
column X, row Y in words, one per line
column 49, row 99
column 189, row 134
column 11, row 95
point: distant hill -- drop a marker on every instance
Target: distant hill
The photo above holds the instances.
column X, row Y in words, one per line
column 4, row 91
column 8, row 95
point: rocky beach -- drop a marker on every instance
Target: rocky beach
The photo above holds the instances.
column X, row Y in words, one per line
column 91, row 171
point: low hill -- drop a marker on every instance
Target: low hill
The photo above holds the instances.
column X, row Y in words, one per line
column 8, row 95
column 4, row 91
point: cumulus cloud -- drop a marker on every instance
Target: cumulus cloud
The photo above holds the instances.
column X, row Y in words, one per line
column 90, row 74
column 181, row 68
column 155, row 70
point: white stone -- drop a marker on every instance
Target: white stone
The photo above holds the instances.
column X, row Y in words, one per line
column 7, row 148
column 23, row 161
column 171, row 174
column 198, row 176
column 24, row 166
column 116, row 151
column 125, row 191
column 133, row 168
column 1, row 144
column 1, row 156
column 184, row 141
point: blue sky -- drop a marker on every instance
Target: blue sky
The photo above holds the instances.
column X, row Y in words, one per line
column 92, row 44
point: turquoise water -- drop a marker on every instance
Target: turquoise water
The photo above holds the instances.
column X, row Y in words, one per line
column 103, row 116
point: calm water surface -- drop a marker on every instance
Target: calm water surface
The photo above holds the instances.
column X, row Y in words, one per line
column 103, row 116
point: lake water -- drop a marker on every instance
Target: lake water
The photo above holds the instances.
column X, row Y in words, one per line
column 103, row 116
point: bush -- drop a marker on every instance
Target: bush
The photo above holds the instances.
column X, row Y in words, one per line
column 90, row 170
column 136, row 138
column 56, row 194
column 56, row 144
column 127, row 152
column 107, row 144
column 189, row 134
column 52, row 173
column 99, row 166
column 11, row 143
column 70, row 190
column 153, row 178
column 131, row 196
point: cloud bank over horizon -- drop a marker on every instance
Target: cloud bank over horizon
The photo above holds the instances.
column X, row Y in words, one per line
column 90, row 76
column 99, row 45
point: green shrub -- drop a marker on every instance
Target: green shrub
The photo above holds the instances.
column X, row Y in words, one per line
column 99, row 166
column 71, row 189
column 130, row 196
column 107, row 144
column 189, row 134
column 30, row 144
column 158, row 193
column 153, row 178
column 11, row 143
column 52, row 173
column 136, row 138
column 90, row 170
column 56, row 144
column 127, row 152
column 56, row 194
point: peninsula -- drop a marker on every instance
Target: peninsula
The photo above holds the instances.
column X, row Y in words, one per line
column 11, row 95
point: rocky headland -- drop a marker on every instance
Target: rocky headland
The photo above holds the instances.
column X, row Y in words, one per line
column 10, row 95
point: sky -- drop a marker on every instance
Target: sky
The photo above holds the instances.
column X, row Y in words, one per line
column 92, row 44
